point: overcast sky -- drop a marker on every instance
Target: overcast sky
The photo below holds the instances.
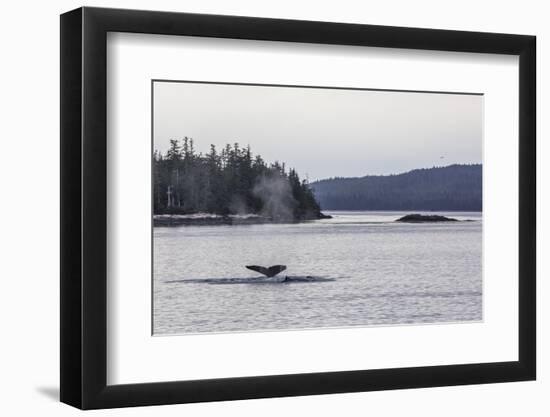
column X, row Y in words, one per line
column 324, row 132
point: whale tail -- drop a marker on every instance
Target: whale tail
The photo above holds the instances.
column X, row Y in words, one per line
column 268, row 272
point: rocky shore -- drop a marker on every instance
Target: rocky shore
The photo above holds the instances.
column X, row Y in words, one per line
column 210, row 219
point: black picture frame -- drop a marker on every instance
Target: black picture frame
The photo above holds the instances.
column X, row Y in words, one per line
column 84, row 208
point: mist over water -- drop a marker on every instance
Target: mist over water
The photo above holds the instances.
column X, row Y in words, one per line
column 356, row 269
column 276, row 195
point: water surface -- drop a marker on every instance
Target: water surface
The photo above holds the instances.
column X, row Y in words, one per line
column 356, row 269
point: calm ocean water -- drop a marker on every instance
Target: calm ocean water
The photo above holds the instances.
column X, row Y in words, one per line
column 356, row 269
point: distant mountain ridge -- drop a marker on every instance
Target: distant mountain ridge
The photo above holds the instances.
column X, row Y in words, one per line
column 450, row 188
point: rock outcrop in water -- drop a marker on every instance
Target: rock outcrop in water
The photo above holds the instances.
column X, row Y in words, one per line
column 425, row 218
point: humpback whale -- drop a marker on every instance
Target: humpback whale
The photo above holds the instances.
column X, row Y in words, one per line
column 268, row 272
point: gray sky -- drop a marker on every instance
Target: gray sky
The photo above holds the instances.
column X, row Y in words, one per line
column 323, row 132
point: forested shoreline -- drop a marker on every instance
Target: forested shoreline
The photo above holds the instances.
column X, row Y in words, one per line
column 448, row 188
column 230, row 181
column 234, row 186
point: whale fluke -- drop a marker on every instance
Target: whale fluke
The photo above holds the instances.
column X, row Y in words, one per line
column 268, row 272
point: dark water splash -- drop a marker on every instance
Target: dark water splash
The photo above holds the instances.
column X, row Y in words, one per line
column 255, row 280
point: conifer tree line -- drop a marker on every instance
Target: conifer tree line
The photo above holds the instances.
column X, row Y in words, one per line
column 453, row 187
column 229, row 181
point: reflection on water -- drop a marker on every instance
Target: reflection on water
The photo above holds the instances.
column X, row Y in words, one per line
column 356, row 269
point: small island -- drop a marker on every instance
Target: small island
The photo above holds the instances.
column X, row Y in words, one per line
column 227, row 187
column 425, row 218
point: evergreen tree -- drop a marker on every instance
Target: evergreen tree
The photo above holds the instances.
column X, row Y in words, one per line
column 233, row 181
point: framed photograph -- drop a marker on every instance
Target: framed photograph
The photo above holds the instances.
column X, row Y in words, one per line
column 257, row 208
